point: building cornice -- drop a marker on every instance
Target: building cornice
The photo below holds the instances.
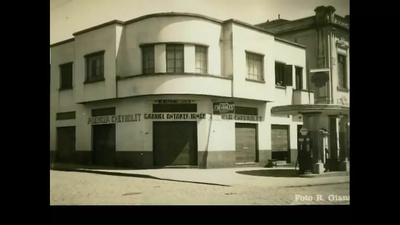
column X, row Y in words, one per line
column 312, row 27
column 173, row 14
column 155, row 15
column 290, row 42
column 98, row 26
column 62, row 42
column 177, row 14
column 271, row 25
column 247, row 25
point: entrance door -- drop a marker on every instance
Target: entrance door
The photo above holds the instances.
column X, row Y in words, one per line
column 280, row 142
column 246, row 142
column 65, row 144
column 103, row 144
column 175, row 143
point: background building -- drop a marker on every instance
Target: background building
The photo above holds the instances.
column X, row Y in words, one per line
column 175, row 89
column 326, row 36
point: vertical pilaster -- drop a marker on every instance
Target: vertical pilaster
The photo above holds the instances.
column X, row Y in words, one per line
column 343, row 143
column 333, row 147
column 311, row 122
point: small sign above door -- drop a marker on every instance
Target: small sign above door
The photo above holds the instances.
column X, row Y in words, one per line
column 223, row 107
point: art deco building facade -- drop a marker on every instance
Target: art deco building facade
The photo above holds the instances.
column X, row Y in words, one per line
column 175, row 89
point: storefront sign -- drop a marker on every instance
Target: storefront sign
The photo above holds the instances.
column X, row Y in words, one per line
column 174, row 116
column 174, row 101
column 223, row 107
column 114, row 119
column 111, row 119
column 241, row 117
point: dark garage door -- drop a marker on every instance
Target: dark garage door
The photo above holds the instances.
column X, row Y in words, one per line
column 246, row 142
column 175, row 143
column 103, row 144
column 65, row 144
column 280, row 142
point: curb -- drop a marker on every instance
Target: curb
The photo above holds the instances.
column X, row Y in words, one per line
column 320, row 184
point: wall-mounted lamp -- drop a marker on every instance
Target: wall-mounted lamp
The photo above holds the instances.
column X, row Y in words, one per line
column 323, row 131
column 299, row 115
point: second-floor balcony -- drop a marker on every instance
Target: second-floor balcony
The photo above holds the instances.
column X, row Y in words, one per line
column 156, row 84
column 301, row 97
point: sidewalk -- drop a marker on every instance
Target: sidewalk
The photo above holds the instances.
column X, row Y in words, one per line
column 281, row 176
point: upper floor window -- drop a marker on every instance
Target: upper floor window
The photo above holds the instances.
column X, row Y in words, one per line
column 299, row 78
column 283, row 74
column 201, row 59
column 66, row 115
column 342, row 71
column 95, row 66
column 66, row 76
column 148, row 59
column 174, row 58
column 255, row 66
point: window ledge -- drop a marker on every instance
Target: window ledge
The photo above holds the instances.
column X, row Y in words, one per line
column 65, row 88
column 94, row 80
column 173, row 74
column 257, row 81
column 304, row 90
column 280, row 87
column 342, row 89
column 246, row 163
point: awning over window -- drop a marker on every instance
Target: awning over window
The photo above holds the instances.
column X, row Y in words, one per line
column 325, row 109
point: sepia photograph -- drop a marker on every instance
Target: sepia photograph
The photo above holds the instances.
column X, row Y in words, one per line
column 199, row 102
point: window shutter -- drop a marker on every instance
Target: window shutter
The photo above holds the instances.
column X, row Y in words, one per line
column 288, row 75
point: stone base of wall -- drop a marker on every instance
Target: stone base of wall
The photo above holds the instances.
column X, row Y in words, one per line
column 263, row 157
column 144, row 160
column 137, row 160
column 216, row 159
column 52, row 159
column 227, row 159
column 293, row 156
column 83, row 157
column 52, row 156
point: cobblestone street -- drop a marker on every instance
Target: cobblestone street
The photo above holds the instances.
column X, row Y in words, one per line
column 86, row 188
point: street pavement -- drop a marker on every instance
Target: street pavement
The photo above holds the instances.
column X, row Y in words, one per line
column 192, row 186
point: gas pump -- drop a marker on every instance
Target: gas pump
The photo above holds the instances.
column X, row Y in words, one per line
column 304, row 156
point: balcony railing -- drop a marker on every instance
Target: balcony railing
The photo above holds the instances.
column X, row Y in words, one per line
column 301, row 97
column 174, row 84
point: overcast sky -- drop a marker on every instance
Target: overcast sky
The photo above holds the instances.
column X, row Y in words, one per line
column 69, row 16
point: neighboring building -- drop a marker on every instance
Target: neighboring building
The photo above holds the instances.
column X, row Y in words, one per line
column 326, row 37
column 172, row 89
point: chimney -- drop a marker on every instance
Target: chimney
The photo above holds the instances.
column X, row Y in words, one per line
column 279, row 16
column 330, row 10
column 324, row 14
column 319, row 10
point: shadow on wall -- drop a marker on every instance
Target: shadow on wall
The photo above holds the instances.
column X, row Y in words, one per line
column 72, row 167
column 270, row 173
column 203, row 162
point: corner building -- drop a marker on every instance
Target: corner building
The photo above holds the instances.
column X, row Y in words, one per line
column 327, row 38
column 175, row 89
